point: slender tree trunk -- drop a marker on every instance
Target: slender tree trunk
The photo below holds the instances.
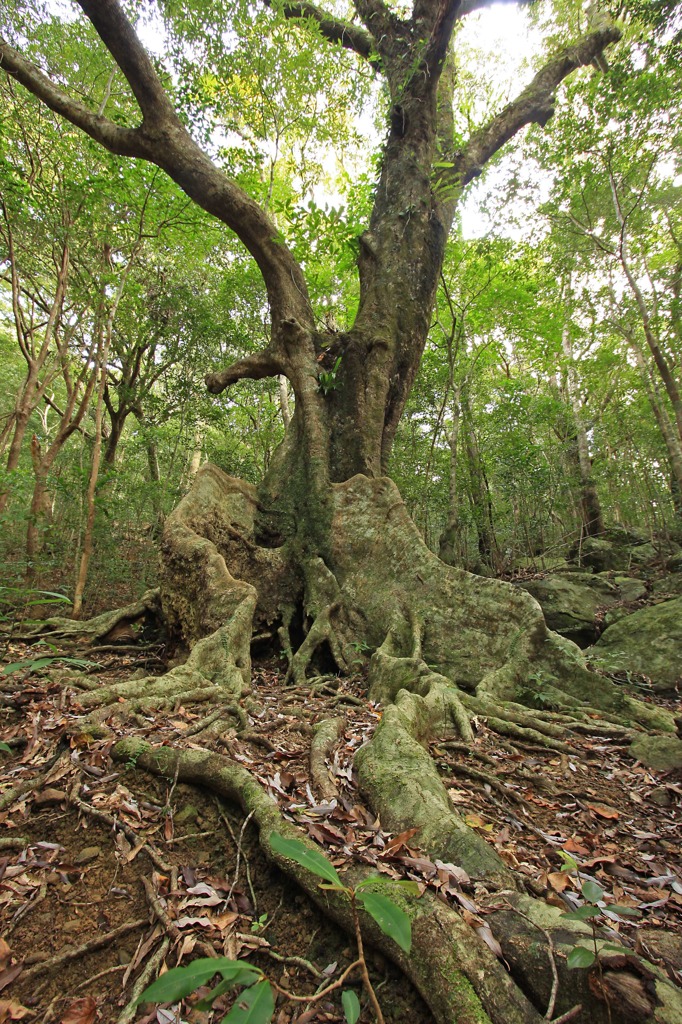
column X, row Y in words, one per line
column 665, row 371
column 590, row 506
column 666, row 427
column 479, row 493
column 88, row 535
column 37, row 356
column 284, row 401
column 448, row 547
column 117, row 418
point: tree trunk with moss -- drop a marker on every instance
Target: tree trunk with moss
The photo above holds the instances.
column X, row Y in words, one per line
column 322, row 556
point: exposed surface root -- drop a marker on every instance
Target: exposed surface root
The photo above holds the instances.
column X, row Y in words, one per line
column 325, row 736
column 464, row 983
column 103, row 627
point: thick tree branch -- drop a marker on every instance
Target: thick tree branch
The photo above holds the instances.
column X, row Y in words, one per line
column 253, row 367
column 120, row 39
column 163, row 140
column 122, row 141
column 377, row 17
column 534, row 104
column 336, row 30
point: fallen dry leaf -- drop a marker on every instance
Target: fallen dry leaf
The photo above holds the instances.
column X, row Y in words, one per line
column 81, row 1011
column 10, row 1009
column 559, row 880
column 603, row 811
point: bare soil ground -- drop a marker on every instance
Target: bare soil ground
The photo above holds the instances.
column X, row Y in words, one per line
column 100, row 864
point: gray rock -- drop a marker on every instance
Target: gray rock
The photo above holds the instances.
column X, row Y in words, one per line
column 661, row 752
column 648, row 642
column 669, row 586
column 570, row 602
column 618, row 549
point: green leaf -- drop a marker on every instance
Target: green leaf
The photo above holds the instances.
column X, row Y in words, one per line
column 580, row 957
column 246, row 977
column 255, row 1005
column 308, row 858
column 370, row 880
column 591, row 891
column 405, row 884
column 624, row 911
column 393, row 921
column 3, row 746
column 351, row 1005
column 180, row 981
column 582, row 914
column 32, row 663
column 569, row 863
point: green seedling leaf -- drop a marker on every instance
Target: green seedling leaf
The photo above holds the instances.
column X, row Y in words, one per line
column 624, row 911
column 580, row 957
column 582, row 914
column 370, row 880
column 393, row 921
column 255, row 1005
column 180, row 981
column 592, row 892
column 31, row 663
column 568, row 863
column 351, row 1005
column 308, row 858
column 246, row 977
column 3, row 746
column 35, row 663
column 405, row 884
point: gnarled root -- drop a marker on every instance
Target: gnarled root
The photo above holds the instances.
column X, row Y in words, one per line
column 464, row 982
column 103, row 628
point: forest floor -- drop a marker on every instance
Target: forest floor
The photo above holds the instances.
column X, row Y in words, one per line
column 99, row 863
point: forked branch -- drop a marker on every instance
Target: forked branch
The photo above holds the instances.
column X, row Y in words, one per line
column 534, row 105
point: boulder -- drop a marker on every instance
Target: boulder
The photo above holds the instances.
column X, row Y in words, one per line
column 618, row 549
column 571, row 601
column 648, row 642
column 663, row 753
column 668, row 586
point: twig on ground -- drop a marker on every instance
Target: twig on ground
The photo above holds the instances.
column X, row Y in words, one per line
column 115, row 823
column 76, row 952
column 569, row 1015
column 130, row 1009
column 247, row 819
column 27, row 908
column 159, row 910
column 487, row 780
column 249, row 736
column 465, row 748
column 14, row 842
column 100, row 974
column 24, row 787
